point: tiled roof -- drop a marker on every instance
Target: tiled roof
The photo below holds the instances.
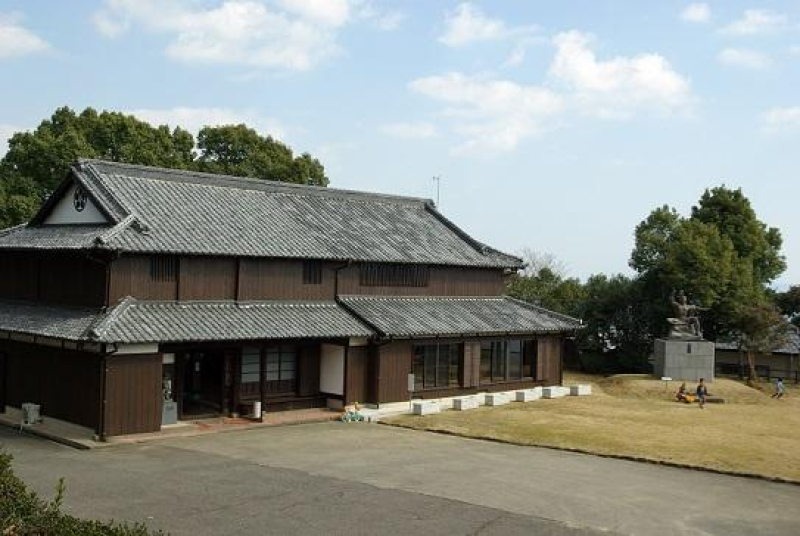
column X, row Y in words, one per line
column 790, row 345
column 154, row 210
column 135, row 321
column 415, row 317
column 70, row 323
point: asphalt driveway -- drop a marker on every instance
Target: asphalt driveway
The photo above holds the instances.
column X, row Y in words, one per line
column 371, row 479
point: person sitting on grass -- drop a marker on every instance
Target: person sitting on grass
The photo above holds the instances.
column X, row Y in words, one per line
column 702, row 393
column 778, row 389
column 680, row 396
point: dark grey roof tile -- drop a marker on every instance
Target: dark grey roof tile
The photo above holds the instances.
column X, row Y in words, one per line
column 414, row 317
column 168, row 211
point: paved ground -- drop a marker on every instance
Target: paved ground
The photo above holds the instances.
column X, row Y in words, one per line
column 372, row 479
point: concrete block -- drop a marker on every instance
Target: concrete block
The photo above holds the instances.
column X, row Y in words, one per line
column 425, row 407
column 528, row 395
column 554, row 391
column 496, row 399
column 465, row 403
column 580, row 390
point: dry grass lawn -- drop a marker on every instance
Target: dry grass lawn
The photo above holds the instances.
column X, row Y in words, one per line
column 632, row 415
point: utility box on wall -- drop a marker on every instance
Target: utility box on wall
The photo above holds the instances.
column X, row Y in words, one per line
column 684, row 359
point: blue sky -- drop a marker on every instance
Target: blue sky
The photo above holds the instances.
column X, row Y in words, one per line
column 555, row 126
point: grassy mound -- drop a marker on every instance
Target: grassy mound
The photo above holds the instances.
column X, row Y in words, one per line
column 637, row 416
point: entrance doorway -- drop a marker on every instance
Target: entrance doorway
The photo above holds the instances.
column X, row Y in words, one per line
column 201, row 385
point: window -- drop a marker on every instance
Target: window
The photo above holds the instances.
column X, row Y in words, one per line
column 281, row 366
column 510, row 360
column 530, row 358
column 394, row 275
column 251, row 365
column 163, row 268
column 436, row 366
column 312, row 272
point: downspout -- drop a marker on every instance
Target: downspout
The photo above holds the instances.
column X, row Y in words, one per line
column 101, row 428
column 336, row 271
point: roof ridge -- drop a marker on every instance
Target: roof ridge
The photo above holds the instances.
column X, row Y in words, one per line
column 103, row 322
column 215, row 179
column 83, row 173
column 416, row 297
column 185, row 303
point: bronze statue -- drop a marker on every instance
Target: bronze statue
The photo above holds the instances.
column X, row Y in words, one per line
column 685, row 323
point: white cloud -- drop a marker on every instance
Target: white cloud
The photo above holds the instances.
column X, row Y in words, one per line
column 782, row 118
column 490, row 114
column 757, row 21
column 744, row 58
column 16, row 40
column 496, row 115
column 467, row 24
column 410, row 131
column 618, row 87
column 293, row 35
column 697, row 13
column 193, row 119
column 794, row 50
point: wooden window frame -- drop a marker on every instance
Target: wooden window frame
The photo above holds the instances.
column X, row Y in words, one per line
column 164, row 268
column 500, row 361
column 312, row 272
column 451, row 379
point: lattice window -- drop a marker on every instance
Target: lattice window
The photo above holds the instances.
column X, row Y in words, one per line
column 394, row 275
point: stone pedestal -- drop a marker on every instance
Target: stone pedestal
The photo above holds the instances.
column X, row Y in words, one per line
column 684, row 359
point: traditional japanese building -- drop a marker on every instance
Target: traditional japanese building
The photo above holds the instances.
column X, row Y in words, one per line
column 134, row 285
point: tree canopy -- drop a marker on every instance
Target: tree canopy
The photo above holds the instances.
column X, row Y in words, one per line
column 37, row 161
column 722, row 255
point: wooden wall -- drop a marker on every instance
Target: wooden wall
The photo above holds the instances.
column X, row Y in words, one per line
column 210, row 278
column 275, row 279
column 66, row 383
column 357, row 375
column 444, row 281
column 203, row 278
column 550, row 356
column 130, row 276
column 393, row 369
column 133, row 394
column 57, row 278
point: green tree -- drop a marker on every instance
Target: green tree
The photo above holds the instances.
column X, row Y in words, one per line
column 730, row 211
column 37, row 161
column 45, row 154
column 759, row 328
column 19, row 197
column 548, row 289
column 241, row 151
column 722, row 256
column 789, row 303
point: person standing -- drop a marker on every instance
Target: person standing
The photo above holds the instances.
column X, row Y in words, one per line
column 778, row 389
column 701, row 393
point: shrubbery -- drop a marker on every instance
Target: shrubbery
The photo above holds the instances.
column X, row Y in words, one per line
column 23, row 513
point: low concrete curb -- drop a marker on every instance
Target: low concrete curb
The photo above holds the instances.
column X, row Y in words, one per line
column 626, row 457
column 43, row 434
